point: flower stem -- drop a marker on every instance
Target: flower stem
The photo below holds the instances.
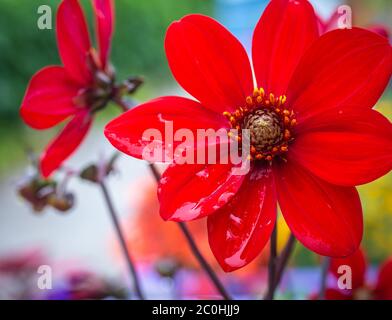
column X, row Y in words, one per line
column 324, row 275
column 272, row 265
column 206, row 267
column 195, row 250
column 283, row 259
column 116, row 224
column 125, row 105
column 280, row 264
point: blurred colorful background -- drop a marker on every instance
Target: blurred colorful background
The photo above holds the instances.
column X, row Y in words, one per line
column 79, row 245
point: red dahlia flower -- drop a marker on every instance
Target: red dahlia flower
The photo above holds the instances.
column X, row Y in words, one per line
column 77, row 89
column 361, row 290
column 314, row 134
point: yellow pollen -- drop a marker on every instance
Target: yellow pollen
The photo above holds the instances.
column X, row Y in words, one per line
column 259, row 156
column 269, row 121
column 272, row 98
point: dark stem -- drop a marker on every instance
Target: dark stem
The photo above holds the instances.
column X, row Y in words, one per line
column 283, row 259
column 195, row 250
column 324, row 275
column 131, row 266
column 206, row 267
column 155, row 172
column 125, row 105
column 272, row 265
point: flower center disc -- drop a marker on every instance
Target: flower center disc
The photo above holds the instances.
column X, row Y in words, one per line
column 265, row 129
column 269, row 121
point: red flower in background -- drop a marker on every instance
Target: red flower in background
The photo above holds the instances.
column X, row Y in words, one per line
column 332, row 23
column 381, row 290
column 314, row 134
column 75, row 90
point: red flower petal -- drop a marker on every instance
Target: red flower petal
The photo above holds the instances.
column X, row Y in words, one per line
column 358, row 265
column 209, row 62
column 73, row 40
column 335, row 294
column 342, row 68
column 49, row 98
column 326, row 219
column 65, row 143
column 285, row 30
column 188, row 192
column 240, row 230
column 383, row 290
column 381, row 30
column 104, row 14
column 126, row 131
column 348, row 146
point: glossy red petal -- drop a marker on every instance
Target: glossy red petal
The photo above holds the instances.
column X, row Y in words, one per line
column 65, row 143
column 128, row 132
column 285, row 30
column 383, row 290
column 73, row 40
column 49, row 98
column 347, row 146
column 357, row 263
column 188, row 192
column 342, row 68
column 209, row 62
column 239, row 231
column 104, row 15
column 326, row 219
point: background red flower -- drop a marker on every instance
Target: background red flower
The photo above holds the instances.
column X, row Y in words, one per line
column 361, row 288
column 75, row 90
